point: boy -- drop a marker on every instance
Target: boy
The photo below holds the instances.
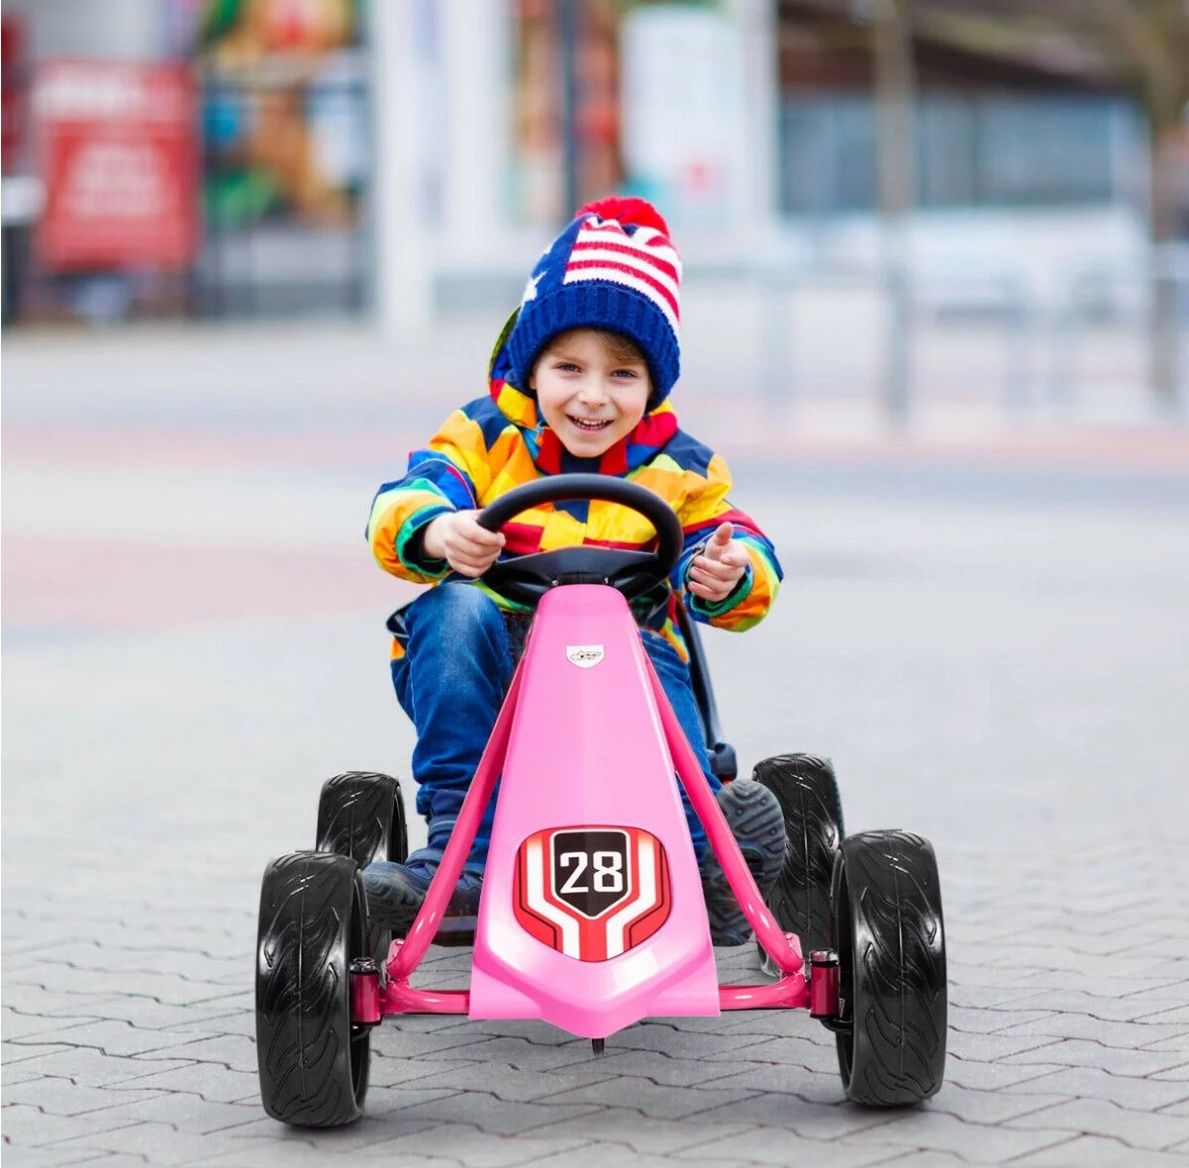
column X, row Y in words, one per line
column 579, row 381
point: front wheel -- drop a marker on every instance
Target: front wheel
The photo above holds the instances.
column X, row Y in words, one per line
column 887, row 928
column 313, row 1062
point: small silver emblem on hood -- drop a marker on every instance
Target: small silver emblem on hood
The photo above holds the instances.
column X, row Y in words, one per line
column 584, row 656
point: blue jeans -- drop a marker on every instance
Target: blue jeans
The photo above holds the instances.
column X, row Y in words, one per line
column 453, row 699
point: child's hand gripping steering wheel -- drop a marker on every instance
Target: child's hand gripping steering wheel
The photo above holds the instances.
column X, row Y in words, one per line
column 525, row 579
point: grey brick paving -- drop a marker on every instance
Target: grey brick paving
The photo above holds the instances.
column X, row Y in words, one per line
column 998, row 1142
column 389, row 1072
column 609, row 1155
column 189, row 1113
column 1004, row 674
column 54, row 1129
column 53, row 1095
column 1176, row 1075
column 760, row 1146
column 1095, row 1083
column 55, row 1156
column 1103, row 1118
column 980, row 1076
column 808, row 1118
column 1075, row 1051
column 650, row 1099
column 492, row 1114
column 1099, row 1152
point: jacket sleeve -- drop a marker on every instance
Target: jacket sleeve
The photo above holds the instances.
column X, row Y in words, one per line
column 703, row 510
column 451, row 474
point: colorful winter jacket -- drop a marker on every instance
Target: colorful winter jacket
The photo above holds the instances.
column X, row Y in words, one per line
column 495, row 443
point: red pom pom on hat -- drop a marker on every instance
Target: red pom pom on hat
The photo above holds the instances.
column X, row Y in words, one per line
column 627, row 209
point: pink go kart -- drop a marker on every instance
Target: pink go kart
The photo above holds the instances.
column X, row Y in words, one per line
column 591, row 915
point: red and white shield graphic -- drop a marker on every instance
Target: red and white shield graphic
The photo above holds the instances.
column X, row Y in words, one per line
column 592, row 892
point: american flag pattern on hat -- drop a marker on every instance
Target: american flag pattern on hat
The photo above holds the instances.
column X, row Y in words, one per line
column 614, row 268
column 643, row 260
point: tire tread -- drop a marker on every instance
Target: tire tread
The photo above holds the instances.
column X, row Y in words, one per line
column 896, row 1052
column 309, row 1074
column 807, row 791
column 361, row 815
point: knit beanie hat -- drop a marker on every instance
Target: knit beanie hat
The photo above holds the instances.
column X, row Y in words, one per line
column 612, row 268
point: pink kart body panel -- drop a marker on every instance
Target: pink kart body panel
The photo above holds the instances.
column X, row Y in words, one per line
column 586, row 738
column 586, row 747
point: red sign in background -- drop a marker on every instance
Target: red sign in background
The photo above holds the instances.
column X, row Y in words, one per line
column 13, row 79
column 118, row 155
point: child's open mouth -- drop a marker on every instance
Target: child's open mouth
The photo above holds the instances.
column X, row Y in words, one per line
column 590, row 425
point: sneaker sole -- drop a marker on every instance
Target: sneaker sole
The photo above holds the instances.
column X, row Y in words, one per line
column 751, row 811
column 755, row 818
column 391, row 906
column 393, row 909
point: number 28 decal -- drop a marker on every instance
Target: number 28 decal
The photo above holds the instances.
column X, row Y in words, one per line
column 592, row 892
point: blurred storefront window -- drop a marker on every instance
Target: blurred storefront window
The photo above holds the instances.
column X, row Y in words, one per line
column 189, row 157
column 538, row 175
column 989, row 132
column 284, row 117
column 625, row 95
column 565, row 71
column 972, row 151
column 117, row 155
column 21, row 191
column 683, row 108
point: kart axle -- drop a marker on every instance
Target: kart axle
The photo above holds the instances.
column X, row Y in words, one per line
column 791, row 992
column 823, row 983
column 365, row 992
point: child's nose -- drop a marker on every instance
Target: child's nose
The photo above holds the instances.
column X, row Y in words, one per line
column 592, row 390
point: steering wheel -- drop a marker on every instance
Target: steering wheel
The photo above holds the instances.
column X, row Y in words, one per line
column 526, row 579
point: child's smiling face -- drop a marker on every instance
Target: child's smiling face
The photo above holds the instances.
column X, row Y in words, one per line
column 592, row 388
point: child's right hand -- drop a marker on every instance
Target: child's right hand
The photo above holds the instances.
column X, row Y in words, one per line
column 459, row 540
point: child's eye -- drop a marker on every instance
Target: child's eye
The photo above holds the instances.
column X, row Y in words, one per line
column 566, row 367
column 628, row 374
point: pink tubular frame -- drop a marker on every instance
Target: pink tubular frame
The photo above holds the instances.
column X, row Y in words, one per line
column 398, row 997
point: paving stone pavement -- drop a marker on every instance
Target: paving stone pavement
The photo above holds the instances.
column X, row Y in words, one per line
column 193, row 643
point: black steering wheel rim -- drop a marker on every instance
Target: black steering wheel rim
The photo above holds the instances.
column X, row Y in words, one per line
column 526, row 578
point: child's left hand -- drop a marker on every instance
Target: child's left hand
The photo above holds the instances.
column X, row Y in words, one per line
column 713, row 575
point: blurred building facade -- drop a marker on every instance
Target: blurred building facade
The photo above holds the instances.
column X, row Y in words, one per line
column 400, row 160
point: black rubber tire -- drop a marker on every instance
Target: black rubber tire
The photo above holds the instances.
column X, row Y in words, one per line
column 888, row 930
column 313, row 1063
column 807, row 791
column 362, row 815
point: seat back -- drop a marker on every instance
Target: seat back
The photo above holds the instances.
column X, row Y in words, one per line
column 722, row 754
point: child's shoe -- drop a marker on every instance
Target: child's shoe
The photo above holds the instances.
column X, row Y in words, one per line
column 395, row 893
column 757, row 823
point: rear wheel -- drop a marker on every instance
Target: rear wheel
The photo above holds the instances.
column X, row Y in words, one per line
column 361, row 814
column 313, row 1062
column 807, row 791
column 888, row 931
